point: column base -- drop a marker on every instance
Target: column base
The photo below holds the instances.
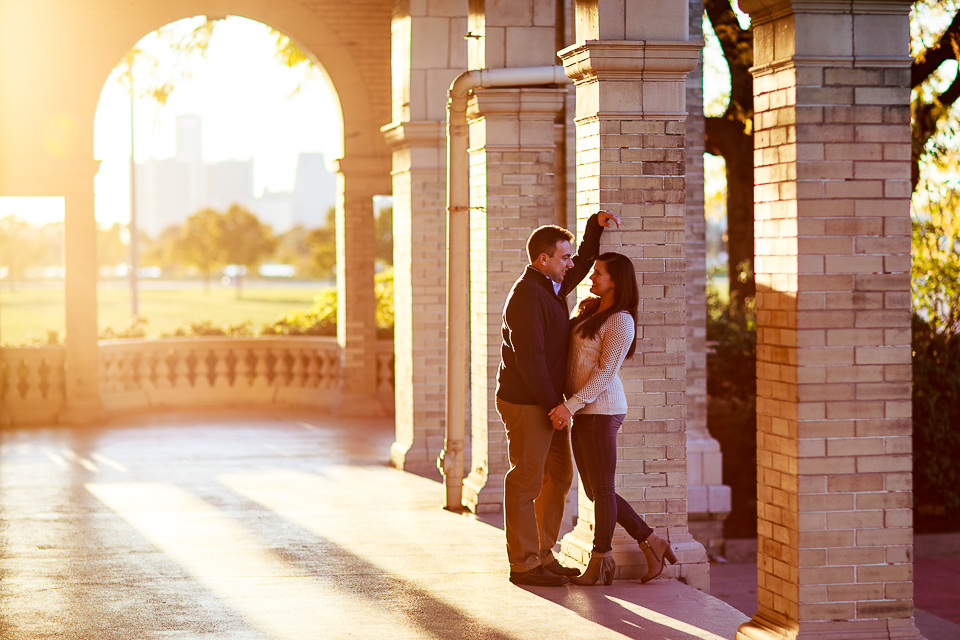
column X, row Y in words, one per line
column 481, row 494
column 402, row 459
column 692, row 566
column 357, row 405
column 760, row 628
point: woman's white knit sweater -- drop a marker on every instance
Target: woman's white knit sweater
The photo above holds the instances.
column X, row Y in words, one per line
column 593, row 367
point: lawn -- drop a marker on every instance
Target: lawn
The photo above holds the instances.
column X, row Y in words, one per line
column 30, row 310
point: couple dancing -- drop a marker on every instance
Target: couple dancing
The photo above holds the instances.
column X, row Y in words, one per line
column 547, row 356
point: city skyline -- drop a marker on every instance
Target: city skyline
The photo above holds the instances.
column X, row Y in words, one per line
column 254, row 109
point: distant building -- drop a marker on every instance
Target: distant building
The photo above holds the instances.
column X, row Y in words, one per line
column 169, row 191
column 314, row 191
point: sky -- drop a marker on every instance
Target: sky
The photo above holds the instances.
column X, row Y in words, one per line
column 250, row 108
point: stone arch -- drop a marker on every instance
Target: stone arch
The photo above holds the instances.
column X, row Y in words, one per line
column 47, row 109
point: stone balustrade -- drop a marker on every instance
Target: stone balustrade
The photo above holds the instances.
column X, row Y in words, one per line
column 178, row 373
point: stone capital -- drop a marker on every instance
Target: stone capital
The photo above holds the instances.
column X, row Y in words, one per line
column 423, row 133
column 524, row 102
column 766, row 10
column 630, row 60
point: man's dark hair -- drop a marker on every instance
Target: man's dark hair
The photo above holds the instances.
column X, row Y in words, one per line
column 544, row 240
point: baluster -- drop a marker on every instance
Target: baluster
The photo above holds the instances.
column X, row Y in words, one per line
column 32, row 379
column 181, row 370
column 221, row 367
column 385, row 373
column 261, row 376
column 201, row 368
column 243, row 372
column 297, row 368
column 332, row 369
column 281, row 367
column 143, row 378
column 314, row 373
column 164, row 374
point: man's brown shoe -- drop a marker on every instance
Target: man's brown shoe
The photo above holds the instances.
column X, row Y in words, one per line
column 537, row 577
column 559, row 570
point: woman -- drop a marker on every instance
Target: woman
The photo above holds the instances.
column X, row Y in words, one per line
column 602, row 336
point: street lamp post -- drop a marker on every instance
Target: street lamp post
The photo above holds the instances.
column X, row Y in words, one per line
column 132, row 228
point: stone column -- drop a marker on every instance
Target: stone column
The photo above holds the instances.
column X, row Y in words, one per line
column 708, row 499
column 512, row 165
column 832, row 140
column 358, row 180
column 512, row 178
column 82, row 371
column 630, row 150
column 429, row 51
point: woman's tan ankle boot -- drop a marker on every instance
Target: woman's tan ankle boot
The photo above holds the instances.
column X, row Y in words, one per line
column 657, row 552
column 600, row 570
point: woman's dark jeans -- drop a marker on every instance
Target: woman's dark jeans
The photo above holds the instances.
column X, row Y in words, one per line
column 594, row 440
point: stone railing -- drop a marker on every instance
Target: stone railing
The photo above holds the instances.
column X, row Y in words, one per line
column 31, row 384
column 138, row 374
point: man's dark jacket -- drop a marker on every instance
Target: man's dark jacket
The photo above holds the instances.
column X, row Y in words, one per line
column 533, row 364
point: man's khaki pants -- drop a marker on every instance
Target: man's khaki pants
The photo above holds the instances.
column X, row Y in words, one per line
column 536, row 486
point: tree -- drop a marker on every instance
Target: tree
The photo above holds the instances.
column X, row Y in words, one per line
column 20, row 247
column 323, row 245
column 932, row 110
column 935, row 268
column 111, row 248
column 196, row 244
column 385, row 236
column 243, row 240
column 731, row 136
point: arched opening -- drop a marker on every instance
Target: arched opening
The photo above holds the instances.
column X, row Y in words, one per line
column 221, row 118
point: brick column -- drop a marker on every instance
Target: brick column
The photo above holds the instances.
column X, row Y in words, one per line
column 832, row 141
column 421, row 77
column 630, row 150
column 512, row 173
column 512, row 179
column 358, row 180
column 708, row 499
column 82, row 368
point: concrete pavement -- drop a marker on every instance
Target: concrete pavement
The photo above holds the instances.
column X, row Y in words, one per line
column 289, row 528
column 285, row 528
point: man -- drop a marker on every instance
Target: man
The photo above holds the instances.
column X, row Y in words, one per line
column 529, row 385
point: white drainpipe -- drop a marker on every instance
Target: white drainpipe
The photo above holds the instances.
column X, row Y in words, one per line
column 458, row 253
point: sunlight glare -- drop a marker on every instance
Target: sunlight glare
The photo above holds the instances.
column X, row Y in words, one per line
column 665, row 620
column 232, row 563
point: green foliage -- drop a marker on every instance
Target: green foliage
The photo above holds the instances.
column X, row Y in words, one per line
column 111, row 247
column 385, row 236
column 936, row 427
column 21, row 246
column 207, row 328
column 322, row 243
column 732, row 332
column 137, row 329
column 196, row 244
column 321, row 318
column 241, row 238
column 936, row 264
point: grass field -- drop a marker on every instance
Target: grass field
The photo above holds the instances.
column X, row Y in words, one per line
column 29, row 311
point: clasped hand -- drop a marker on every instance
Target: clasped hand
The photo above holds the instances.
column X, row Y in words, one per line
column 560, row 416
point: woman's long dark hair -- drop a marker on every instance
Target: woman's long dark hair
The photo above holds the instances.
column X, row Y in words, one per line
column 626, row 297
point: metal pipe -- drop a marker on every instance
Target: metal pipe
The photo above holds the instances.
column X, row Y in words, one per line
column 458, row 250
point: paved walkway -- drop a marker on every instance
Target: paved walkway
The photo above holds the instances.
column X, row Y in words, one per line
column 249, row 527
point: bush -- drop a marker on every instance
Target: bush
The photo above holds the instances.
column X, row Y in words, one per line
column 732, row 406
column 732, row 362
column 936, row 428
column 321, row 318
